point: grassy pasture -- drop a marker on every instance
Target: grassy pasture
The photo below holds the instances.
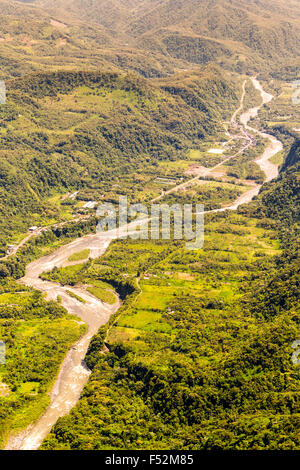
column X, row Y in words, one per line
column 80, row 255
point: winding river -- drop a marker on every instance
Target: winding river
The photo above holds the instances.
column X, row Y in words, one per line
column 73, row 373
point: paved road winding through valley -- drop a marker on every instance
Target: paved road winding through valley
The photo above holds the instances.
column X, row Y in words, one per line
column 74, row 374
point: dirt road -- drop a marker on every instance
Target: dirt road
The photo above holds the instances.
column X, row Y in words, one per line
column 37, row 233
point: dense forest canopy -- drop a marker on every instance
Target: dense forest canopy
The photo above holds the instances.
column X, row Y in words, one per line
column 154, row 38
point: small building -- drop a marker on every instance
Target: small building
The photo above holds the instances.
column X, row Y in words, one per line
column 73, row 195
column 33, row 228
column 10, row 249
column 89, row 205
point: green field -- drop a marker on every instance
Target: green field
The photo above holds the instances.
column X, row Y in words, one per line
column 75, row 296
column 81, row 255
column 102, row 294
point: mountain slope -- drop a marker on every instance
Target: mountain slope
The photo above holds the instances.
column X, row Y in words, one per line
column 154, row 38
column 73, row 130
column 248, row 31
column 268, row 29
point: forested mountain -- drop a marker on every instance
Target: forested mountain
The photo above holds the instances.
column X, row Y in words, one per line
column 71, row 130
column 281, row 200
column 293, row 158
column 151, row 37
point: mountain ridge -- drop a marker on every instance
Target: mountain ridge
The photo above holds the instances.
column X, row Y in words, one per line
column 156, row 38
